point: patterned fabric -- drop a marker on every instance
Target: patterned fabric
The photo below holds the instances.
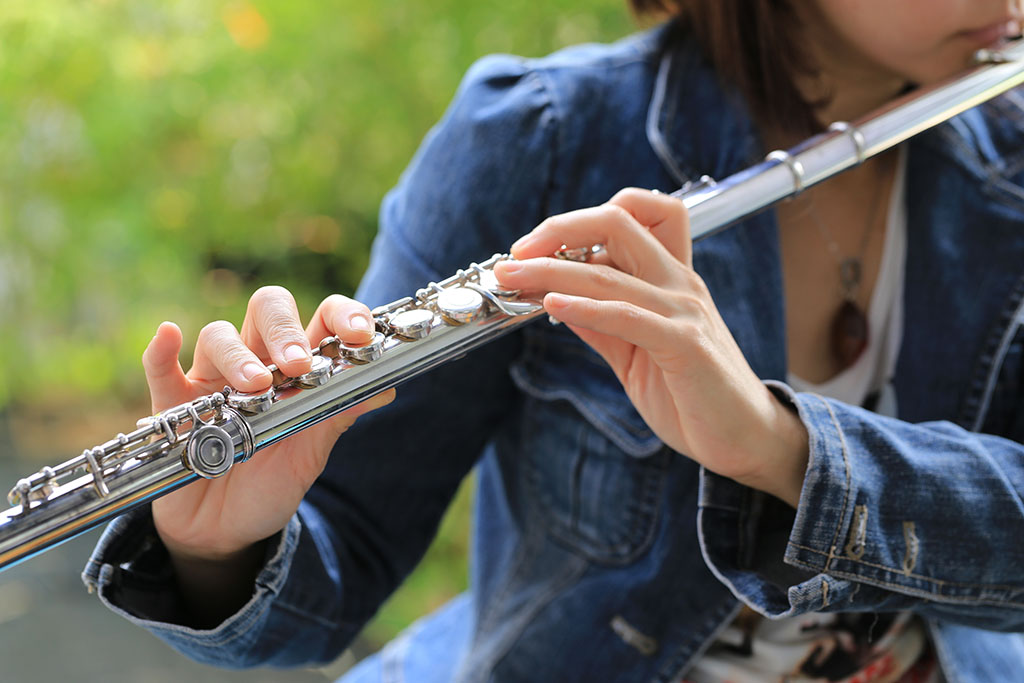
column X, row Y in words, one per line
column 842, row 648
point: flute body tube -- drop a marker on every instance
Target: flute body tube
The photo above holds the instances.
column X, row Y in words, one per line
column 208, row 436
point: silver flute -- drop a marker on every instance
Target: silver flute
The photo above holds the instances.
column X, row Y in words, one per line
column 208, row 436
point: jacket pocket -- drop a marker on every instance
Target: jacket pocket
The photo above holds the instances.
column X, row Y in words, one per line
column 593, row 469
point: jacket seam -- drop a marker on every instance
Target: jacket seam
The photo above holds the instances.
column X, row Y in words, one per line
column 557, row 116
column 322, row 621
column 966, row 157
column 538, row 604
column 920, row 592
column 490, row 612
column 672, row 671
column 534, row 606
column 846, row 491
column 534, row 76
column 963, row 151
column 1015, row 323
column 741, row 536
column 401, row 242
column 998, row 183
column 205, row 639
column 978, row 378
column 529, row 546
column 644, row 514
column 941, row 582
column 655, row 136
column 557, row 61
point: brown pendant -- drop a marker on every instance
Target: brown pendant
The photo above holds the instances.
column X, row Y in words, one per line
column 849, row 334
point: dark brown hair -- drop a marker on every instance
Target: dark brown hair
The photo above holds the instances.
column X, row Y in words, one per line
column 753, row 46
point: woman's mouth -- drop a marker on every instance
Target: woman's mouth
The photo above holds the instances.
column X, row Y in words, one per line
column 992, row 34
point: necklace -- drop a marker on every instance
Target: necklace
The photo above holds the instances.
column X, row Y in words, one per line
column 849, row 329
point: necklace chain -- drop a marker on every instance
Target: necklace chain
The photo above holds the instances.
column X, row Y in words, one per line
column 851, row 268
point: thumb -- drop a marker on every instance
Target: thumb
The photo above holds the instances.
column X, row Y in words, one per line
column 329, row 431
column 337, row 425
column 168, row 385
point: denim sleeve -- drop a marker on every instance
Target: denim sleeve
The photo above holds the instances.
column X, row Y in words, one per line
column 131, row 574
column 479, row 180
column 892, row 516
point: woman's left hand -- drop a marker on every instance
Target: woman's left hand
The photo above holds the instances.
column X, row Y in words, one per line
column 644, row 309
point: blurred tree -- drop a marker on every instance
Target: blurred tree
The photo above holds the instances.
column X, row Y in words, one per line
column 159, row 160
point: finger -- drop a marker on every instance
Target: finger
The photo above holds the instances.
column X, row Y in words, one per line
column 581, row 279
column 168, row 385
column 619, row 319
column 616, row 353
column 334, row 427
column 630, row 246
column 664, row 215
column 370, row 404
column 272, row 320
column 338, row 315
column 345, row 420
column 221, row 356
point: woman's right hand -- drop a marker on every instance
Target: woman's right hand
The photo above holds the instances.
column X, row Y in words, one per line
column 214, row 527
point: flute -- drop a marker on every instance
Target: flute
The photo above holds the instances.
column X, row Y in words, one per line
column 208, row 436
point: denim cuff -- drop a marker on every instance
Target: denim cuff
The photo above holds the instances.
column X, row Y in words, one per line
column 821, row 533
column 769, row 556
column 131, row 573
column 892, row 516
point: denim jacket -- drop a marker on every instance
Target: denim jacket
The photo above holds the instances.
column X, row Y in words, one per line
column 599, row 554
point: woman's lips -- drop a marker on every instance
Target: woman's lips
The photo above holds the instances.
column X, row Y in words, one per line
column 993, row 33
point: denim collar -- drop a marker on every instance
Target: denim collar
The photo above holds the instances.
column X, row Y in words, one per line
column 686, row 93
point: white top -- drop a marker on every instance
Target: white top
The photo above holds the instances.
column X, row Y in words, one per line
column 752, row 649
column 873, row 371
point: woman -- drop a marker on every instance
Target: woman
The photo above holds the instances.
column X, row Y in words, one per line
column 691, row 441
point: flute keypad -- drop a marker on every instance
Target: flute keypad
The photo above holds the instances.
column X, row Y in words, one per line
column 460, row 304
column 365, row 353
column 412, row 324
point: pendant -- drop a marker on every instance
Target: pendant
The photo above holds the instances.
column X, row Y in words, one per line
column 849, row 334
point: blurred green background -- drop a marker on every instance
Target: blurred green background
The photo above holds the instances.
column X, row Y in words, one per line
column 159, row 160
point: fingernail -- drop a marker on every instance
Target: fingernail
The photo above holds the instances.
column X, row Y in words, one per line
column 293, row 353
column 522, row 242
column 253, row 371
column 556, row 300
column 360, row 322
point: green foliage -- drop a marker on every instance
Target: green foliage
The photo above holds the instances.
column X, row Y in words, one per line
column 160, row 159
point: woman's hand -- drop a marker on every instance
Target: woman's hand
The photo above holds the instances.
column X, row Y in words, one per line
column 213, row 528
column 644, row 309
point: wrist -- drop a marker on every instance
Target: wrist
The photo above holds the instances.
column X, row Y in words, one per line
column 242, row 557
column 198, row 539
column 783, row 450
column 216, row 586
column 206, row 554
